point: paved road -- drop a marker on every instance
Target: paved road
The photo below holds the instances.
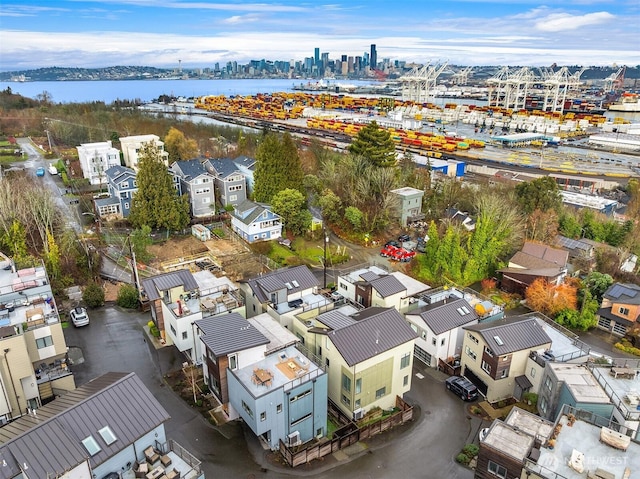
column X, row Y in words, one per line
column 115, row 341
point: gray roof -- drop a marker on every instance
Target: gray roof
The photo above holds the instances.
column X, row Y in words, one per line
column 508, row 335
column 164, row 282
column 374, row 335
column 276, row 280
column 118, row 171
column 447, row 314
column 245, row 161
column 224, row 167
column 387, row 285
column 369, row 276
column 51, row 442
column 623, row 293
column 335, row 319
column 228, row 333
column 189, row 169
column 254, row 209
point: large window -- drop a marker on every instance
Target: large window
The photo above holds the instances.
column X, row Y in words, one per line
column 381, row 392
column 486, row 367
column 405, row 360
column 346, row 382
column 233, row 362
column 358, row 385
column 547, row 383
column 44, row 342
column 470, row 352
column 246, row 407
column 497, row 469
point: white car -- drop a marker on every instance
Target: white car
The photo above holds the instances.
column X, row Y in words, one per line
column 79, row 317
column 53, row 170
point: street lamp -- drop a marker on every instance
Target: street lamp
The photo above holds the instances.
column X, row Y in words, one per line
column 325, row 234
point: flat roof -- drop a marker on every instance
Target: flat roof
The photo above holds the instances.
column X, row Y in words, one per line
column 619, row 387
column 581, row 383
column 585, row 438
column 279, row 337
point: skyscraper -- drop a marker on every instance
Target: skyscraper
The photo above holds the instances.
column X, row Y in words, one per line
column 316, row 56
column 373, row 57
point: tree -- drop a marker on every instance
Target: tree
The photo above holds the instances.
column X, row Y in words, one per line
column 540, row 194
column 354, row 216
column 277, row 167
column 290, row 204
column 157, row 203
column 178, row 146
column 127, row 297
column 597, row 284
column 140, row 241
column 93, row 295
column 52, row 257
column 549, row 298
column 542, row 226
column 375, row 145
column 330, row 205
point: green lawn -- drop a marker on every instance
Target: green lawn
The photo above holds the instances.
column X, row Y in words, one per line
column 331, row 427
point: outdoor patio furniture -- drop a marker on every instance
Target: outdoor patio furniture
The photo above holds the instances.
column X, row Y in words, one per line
column 151, row 455
column 173, row 474
column 165, row 460
column 141, row 470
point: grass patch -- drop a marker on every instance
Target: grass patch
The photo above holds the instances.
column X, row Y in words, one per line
column 331, row 428
column 6, row 159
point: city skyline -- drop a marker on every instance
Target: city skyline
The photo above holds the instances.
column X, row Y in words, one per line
column 198, row 34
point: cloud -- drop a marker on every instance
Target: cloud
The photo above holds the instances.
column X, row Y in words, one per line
column 241, row 19
column 560, row 22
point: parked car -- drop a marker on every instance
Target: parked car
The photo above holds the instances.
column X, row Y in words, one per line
column 53, row 170
column 392, row 243
column 79, row 317
column 40, row 171
column 397, row 254
column 403, row 238
column 461, row 386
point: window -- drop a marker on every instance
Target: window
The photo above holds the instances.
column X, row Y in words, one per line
column 303, row 418
column 358, row 385
column 381, row 392
column 173, row 330
column 343, row 286
column 442, row 341
column 547, row 383
column 345, row 400
column 356, row 404
column 405, row 380
column 486, row 367
column 233, row 362
column 126, row 206
column 108, row 435
column 472, row 338
column 246, row 407
column 201, row 191
column 497, row 470
column 91, row 445
column 346, row 382
column 44, row 342
column 235, row 188
column 624, row 311
column 185, row 335
column 542, row 404
column 433, row 341
column 533, row 372
column 424, row 335
column 470, row 353
column 233, row 198
column 300, row 396
column 504, row 374
column 488, row 351
column 326, row 362
column 279, row 408
column 263, row 416
column 405, row 360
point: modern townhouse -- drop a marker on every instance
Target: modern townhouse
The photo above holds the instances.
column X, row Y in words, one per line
column 283, row 397
column 255, row 222
column 409, row 207
column 247, row 167
column 230, row 181
column 34, row 366
column 96, row 159
column 179, row 298
column 122, row 186
column 131, row 146
column 198, row 184
column 620, row 308
column 111, row 427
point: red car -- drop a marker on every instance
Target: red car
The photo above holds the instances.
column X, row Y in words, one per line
column 397, row 254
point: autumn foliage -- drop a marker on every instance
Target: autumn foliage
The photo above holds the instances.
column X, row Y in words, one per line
column 550, row 299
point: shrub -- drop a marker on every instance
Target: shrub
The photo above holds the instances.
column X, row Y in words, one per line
column 150, row 324
column 470, row 450
column 463, row 458
column 127, row 297
column 627, row 348
column 476, row 410
column 530, row 398
column 93, row 295
column 154, row 331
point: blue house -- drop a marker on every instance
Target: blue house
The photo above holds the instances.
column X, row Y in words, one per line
column 247, row 167
column 281, row 398
column 230, row 182
column 122, row 185
column 256, row 222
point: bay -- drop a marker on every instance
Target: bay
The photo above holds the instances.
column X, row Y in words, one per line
column 148, row 90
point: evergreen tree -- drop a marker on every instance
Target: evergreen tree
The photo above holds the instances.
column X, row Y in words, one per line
column 277, row 167
column 156, row 203
column 290, row 204
column 375, row 145
column 540, row 194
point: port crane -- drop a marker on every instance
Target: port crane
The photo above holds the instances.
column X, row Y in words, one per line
column 508, row 88
column 419, row 83
column 614, row 81
column 462, row 77
column 558, row 86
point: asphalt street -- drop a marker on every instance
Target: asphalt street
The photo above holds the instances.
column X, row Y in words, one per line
column 115, row 341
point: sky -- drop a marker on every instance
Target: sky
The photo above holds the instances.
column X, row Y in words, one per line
column 197, row 33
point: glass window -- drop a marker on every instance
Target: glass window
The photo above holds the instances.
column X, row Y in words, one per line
column 184, row 335
column 470, row 353
column 497, row 470
column 108, row 435
column 346, row 382
column 504, row 374
column 405, row 360
column 533, row 372
column 345, row 400
column 381, row 392
column 233, row 362
column 246, row 407
column 547, row 384
column 472, row 338
column 44, row 342
column 433, row 341
column 263, row 416
column 279, row 408
column 91, row 445
column 358, row 385
column 486, row 367
column 405, row 380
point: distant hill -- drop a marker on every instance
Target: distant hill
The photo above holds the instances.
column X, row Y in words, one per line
column 71, row 74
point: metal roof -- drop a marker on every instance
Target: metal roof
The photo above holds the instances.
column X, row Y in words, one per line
column 190, row 169
column 369, row 276
column 228, row 333
column 248, row 211
column 509, row 335
column 224, row 167
column 626, row 293
column 335, row 319
column 387, row 285
column 164, row 282
column 374, row 335
column 51, row 442
column 546, row 253
column 118, row 171
column 277, row 280
column 245, row 161
column 446, row 315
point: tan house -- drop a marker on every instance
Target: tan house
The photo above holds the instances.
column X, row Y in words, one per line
column 368, row 355
column 534, row 261
column 620, row 308
column 495, row 354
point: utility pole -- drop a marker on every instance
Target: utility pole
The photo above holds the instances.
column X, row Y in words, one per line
column 325, row 239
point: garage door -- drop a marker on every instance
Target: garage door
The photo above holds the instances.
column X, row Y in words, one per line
column 422, row 355
column 620, row 329
column 479, row 383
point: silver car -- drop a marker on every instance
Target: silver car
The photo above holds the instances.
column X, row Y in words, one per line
column 79, row 317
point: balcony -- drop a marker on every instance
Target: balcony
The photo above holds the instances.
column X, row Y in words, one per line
column 172, row 460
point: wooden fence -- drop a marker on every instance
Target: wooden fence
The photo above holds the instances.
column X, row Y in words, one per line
column 349, row 433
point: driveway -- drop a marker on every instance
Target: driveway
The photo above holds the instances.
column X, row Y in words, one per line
column 115, row 341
